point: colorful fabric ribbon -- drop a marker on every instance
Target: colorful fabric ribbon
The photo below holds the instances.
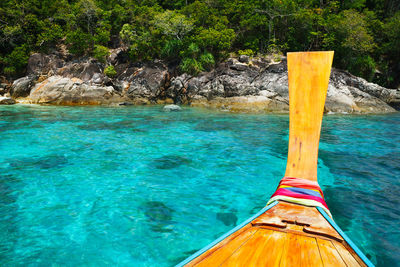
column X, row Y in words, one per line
column 300, row 191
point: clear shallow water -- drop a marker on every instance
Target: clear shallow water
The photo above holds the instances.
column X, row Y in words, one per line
column 137, row 186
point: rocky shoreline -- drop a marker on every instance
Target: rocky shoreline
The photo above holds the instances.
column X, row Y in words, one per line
column 257, row 85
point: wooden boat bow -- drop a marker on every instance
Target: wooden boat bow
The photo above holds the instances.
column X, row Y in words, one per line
column 295, row 228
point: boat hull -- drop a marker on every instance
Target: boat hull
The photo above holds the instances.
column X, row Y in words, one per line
column 283, row 234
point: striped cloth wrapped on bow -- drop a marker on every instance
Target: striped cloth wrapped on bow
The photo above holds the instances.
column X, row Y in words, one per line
column 300, row 191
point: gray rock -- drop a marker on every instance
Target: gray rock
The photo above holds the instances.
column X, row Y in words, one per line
column 244, row 59
column 3, row 88
column 389, row 96
column 84, row 70
column 177, row 90
column 148, row 81
column 6, row 100
column 118, row 56
column 72, row 91
column 125, row 104
column 237, row 89
column 261, row 86
column 42, row 64
column 98, row 78
column 22, row 86
column 239, row 66
column 280, row 67
column 261, row 62
column 172, row 108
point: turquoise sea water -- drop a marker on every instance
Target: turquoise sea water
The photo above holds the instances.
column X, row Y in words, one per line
column 135, row 186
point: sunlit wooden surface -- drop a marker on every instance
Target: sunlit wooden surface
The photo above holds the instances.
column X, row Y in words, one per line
column 308, row 83
column 295, row 239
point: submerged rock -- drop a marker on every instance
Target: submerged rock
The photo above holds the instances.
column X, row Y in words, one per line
column 170, row 162
column 44, row 162
column 228, row 218
column 249, row 104
column 159, row 215
column 6, row 100
column 157, row 211
column 172, row 108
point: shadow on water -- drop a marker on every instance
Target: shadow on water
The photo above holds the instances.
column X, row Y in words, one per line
column 45, row 162
column 213, row 126
column 8, row 221
column 7, row 185
column 352, row 164
column 228, row 218
column 183, row 257
column 337, row 199
column 158, row 215
column 169, row 162
column 328, row 136
column 266, row 131
column 128, row 125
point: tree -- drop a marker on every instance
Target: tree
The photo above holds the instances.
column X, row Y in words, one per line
column 277, row 9
column 391, row 49
column 354, row 43
column 100, row 53
column 17, row 60
column 173, row 24
column 217, row 39
column 78, row 41
column 87, row 12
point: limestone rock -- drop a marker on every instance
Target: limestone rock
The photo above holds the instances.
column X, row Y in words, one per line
column 247, row 104
column 71, row 91
column 3, row 88
column 6, row 100
column 22, row 86
column 244, row 59
column 235, row 85
column 84, row 70
column 118, row 56
column 148, row 81
column 39, row 63
column 266, row 89
column 97, row 78
column 172, row 108
column 239, row 66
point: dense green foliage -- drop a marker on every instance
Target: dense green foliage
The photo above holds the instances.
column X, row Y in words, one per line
column 110, row 71
column 365, row 34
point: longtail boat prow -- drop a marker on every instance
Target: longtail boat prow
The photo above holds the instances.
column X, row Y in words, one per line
column 296, row 227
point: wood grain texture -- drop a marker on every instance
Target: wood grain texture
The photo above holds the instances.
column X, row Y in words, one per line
column 250, row 251
column 285, row 214
column 301, row 251
column 309, row 252
column 218, row 246
column 223, row 253
column 262, row 244
column 329, row 254
column 272, row 250
column 347, row 257
column 308, row 83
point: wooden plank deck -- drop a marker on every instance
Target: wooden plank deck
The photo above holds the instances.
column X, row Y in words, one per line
column 267, row 241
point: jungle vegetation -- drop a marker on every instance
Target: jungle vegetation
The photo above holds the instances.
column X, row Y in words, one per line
column 365, row 34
